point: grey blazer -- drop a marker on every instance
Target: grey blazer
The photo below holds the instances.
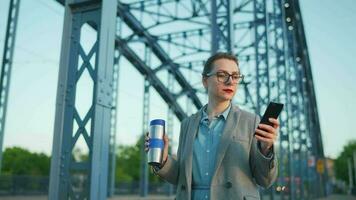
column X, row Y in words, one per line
column 240, row 165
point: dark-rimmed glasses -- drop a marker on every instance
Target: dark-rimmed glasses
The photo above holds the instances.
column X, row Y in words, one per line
column 224, row 77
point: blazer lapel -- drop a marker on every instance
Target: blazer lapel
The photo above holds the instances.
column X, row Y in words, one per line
column 230, row 127
column 192, row 131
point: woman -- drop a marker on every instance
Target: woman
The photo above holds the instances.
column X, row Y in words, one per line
column 219, row 155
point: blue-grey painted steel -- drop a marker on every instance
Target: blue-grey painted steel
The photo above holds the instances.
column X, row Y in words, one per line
column 65, row 170
column 134, row 24
column 307, row 81
column 170, row 125
column 159, row 52
column 278, row 69
column 303, row 102
column 114, row 119
column 145, row 120
column 279, row 50
column 6, row 65
column 221, row 26
column 144, row 69
column 261, row 47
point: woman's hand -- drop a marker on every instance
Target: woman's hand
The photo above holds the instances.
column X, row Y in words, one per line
column 165, row 149
column 267, row 134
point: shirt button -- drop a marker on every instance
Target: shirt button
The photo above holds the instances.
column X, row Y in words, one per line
column 207, row 173
column 208, row 151
column 206, row 196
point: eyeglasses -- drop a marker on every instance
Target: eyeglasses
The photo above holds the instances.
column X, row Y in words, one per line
column 224, row 77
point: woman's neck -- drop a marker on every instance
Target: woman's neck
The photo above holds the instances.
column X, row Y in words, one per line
column 216, row 107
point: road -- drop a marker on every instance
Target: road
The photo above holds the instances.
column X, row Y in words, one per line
column 153, row 197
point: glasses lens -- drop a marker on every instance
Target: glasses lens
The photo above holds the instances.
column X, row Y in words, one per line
column 222, row 76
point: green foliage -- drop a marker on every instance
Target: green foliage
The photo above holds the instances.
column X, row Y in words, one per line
column 19, row 161
column 128, row 163
column 341, row 166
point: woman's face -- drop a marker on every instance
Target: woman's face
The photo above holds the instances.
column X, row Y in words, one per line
column 217, row 90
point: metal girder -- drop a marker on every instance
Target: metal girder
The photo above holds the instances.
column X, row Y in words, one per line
column 145, row 121
column 281, row 71
column 92, row 172
column 112, row 151
column 173, row 10
column 136, row 26
column 261, row 46
column 145, row 70
column 170, row 125
column 302, row 57
column 6, row 65
column 221, row 26
column 302, row 96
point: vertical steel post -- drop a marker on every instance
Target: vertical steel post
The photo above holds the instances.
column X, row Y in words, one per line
column 6, row 65
column 144, row 176
column 71, row 179
column 144, row 166
column 112, row 153
column 221, row 26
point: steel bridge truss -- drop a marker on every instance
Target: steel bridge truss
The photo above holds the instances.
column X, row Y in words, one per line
column 167, row 41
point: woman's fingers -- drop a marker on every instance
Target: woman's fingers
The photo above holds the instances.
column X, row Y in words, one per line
column 265, row 134
column 275, row 122
column 146, row 146
column 266, row 127
column 166, row 140
column 264, row 139
column 147, row 138
column 166, row 144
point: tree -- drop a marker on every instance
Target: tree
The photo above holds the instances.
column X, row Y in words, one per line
column 19, row 161
column 128, row 163
column 341, row 165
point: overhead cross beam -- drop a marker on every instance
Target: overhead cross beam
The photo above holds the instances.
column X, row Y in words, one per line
column 151, row 41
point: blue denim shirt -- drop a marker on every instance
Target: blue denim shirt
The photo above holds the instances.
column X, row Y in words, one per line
column 204, row 153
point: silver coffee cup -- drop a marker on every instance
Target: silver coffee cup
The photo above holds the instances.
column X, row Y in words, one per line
column 156, row 143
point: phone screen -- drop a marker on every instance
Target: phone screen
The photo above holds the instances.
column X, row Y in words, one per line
column 273, row 110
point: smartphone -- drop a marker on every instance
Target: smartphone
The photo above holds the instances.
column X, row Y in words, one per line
column 273, row 110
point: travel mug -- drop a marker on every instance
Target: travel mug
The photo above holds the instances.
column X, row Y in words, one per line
column 156, row 143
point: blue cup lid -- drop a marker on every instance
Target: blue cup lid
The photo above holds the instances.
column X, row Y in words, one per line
column 157, row 122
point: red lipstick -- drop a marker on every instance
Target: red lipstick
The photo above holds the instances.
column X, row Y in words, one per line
column 227, row 90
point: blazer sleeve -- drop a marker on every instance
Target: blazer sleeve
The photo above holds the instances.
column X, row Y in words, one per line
column 170, row 171
column 264, row 169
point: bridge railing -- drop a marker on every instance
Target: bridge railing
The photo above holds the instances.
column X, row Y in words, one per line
column 38, row 185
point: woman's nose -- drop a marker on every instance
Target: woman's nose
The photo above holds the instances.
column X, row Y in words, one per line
column 228, row 81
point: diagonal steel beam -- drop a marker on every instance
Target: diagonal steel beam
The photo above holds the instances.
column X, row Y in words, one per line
column 137, row 27
column 141, row 66
column 152, row 42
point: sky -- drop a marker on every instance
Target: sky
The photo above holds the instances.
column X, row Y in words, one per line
column 329, row 28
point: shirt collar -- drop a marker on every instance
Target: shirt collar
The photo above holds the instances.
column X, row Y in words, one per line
column 224, row 113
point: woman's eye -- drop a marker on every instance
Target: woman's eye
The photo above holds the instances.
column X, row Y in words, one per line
column 221, row 75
